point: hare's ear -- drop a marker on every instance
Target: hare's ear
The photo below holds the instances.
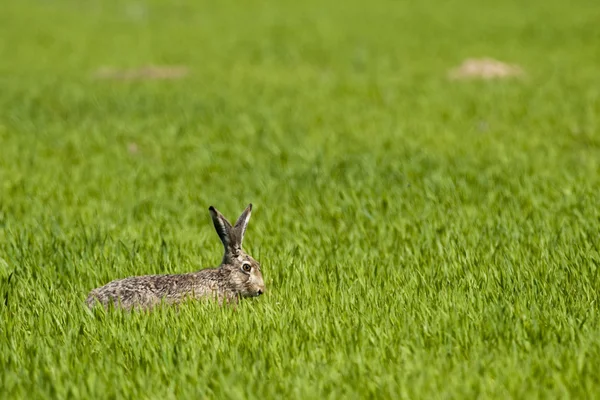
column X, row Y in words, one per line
column 222, row 226
column 241, row 224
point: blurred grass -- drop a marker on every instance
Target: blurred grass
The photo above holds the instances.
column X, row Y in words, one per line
column 420, row 237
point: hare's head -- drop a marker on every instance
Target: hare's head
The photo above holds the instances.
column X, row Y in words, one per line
column 245, row 277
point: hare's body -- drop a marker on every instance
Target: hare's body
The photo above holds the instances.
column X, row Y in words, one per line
column 149, row 290
column 239, row 275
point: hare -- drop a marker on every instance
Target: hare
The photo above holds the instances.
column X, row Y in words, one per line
column 239, row 275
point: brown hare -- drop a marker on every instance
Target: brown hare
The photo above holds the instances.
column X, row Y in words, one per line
column 239, row 275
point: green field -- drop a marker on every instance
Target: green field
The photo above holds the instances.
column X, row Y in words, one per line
column 420, row 237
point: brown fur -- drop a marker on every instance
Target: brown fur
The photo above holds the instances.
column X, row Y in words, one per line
column 228, row 282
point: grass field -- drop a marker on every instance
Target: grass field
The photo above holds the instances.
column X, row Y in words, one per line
column 419, row 237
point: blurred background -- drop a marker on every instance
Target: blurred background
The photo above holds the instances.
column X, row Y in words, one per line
column 112, row 101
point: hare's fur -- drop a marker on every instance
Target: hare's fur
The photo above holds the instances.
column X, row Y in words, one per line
column 239, row 275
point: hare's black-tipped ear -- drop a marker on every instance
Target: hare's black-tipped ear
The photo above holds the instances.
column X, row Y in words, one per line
column 241, row 224
column 222, row 226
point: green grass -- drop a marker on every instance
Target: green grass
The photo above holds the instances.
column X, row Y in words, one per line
column 420, row 238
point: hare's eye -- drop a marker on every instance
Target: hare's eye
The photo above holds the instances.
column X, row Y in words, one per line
column 247, row 267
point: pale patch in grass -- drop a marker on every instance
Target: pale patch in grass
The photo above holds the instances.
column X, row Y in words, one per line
column 133, row 148
column 149, row 72
column 485, row 68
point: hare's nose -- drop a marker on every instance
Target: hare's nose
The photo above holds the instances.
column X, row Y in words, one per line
column 260, row 292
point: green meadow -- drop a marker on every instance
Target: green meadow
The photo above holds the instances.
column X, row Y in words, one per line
column 420, row 237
